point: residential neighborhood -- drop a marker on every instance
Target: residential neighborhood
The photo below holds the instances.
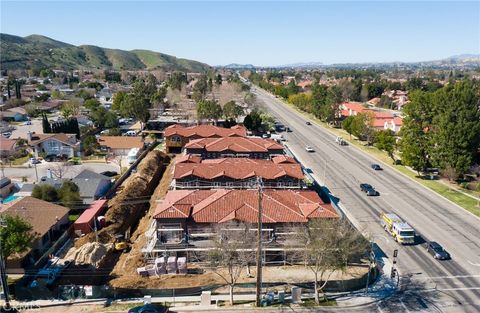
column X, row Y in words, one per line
column 239, row 157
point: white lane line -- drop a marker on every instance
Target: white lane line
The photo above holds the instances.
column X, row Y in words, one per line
column 404, row 306
column 460, row 288
column 445, row 277
column 474, row 264
column 379, row 308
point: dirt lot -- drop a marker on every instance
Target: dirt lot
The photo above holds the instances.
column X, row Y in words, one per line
column 126, row 267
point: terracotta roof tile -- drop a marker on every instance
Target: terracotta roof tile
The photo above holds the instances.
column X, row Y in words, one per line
column 221, row 205
column 235, row 144
column 238, row 168
column 205, row 131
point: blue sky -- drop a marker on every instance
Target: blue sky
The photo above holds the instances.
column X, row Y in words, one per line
column 261, row 33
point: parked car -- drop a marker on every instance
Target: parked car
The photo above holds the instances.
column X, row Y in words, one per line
column 149, row 308
column 309, row 149
column 7, row 134
column 34, row 161
column 377, row 167
column 265, row 136
column 27, row 123
column 109, row 173
column 340, row 141
column 437, row 251
column 308, row 123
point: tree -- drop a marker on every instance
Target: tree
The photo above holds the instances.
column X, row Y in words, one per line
column 347, row 124
column 233, row 250
column 17, row 236
column 60, row 169
column 201, row 86
column 208, row 109
column 90, row 144
column 416, row 131
column 118, row 100
column 253, row 121
column 91, row 104
column 56, row 94
column 456, row 126
column 84, row 94
column 69, row 194
column 45, row 192
column 176, row 80
column 385, row 140
column 218, row 80
column 329, row 245
column 231, row 110
column 70, row 108
column 46, row 124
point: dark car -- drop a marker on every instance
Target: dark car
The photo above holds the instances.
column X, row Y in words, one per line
column 288, row 130
column 148, row 308
column 437, row 251
column 372, row 192
column 308, row 123
column 109, row 173
column 365, row 187
column 376, row 167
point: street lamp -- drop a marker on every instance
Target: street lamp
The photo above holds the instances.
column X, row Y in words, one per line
column 371, row 258
column 3, row 275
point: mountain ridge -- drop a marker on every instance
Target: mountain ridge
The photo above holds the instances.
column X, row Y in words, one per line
column 38, row 51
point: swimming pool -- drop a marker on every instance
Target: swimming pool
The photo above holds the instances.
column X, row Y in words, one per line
column 9, row 198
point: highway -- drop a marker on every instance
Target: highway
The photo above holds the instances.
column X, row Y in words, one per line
column 428, row 285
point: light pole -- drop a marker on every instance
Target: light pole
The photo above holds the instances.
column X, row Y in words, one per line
column 3, row 273
column 259, row 244
column 371, row 258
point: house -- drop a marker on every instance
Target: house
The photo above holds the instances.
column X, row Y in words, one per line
column 7, row 147
column 12, row 116
column 237, row 173
column 351, row 108
column 185, row 219
column 54, row 144
column 254, row 148
column 48, row 221
column 19, row 110
column 6, row 187
column 91, row 185
column 380, row 119
column 394, row 124
column 120, row 145
column 177, row 136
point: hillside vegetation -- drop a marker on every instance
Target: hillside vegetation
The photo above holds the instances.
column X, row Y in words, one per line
column 36, row 51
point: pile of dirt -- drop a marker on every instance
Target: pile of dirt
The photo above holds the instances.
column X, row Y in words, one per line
column 126, row 268
column 91, row 253
column 131, row 202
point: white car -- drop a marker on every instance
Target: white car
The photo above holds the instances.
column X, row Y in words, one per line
column 309, row 149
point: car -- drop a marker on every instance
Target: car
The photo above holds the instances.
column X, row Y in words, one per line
column 148, row 308
column 377, row 167
column 308, row 123
column 365, row 187
column 340, row 141
column 109, row 173
column 265, row 136
column 288, row 129
column 27, row 123
column 34, row 161
column 372, row 192
column 7, row 134
column 437, row 251
column 309, row 149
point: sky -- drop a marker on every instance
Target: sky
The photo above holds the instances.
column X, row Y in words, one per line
column 260, row 33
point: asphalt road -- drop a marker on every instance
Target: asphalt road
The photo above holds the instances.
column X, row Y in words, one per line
column 428, row 285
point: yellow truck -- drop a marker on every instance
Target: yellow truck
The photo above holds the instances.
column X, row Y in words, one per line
column 400, row 231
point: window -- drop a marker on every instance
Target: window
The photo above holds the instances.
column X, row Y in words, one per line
column 229, row 184
column 216, row 184
column 280, row 184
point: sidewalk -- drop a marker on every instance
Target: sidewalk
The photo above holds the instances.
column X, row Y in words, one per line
column 382, row 288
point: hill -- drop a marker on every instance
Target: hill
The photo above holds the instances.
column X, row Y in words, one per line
column 36, row 51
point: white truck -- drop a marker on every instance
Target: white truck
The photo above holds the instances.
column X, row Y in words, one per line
column 132, row 155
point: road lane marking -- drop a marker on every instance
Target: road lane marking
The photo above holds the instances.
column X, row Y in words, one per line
column 404, row 306
column 459, row 288
column 445, row 277
column 474, row 264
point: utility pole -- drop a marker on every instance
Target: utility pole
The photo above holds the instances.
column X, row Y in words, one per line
column 259, row 243
column 3, row 273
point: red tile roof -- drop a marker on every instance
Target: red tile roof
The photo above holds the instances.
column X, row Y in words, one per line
column 7, row 144
column 205, row 131
column 221, row 205
column 238, row 168
column 235, row 144
column 188, row 158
